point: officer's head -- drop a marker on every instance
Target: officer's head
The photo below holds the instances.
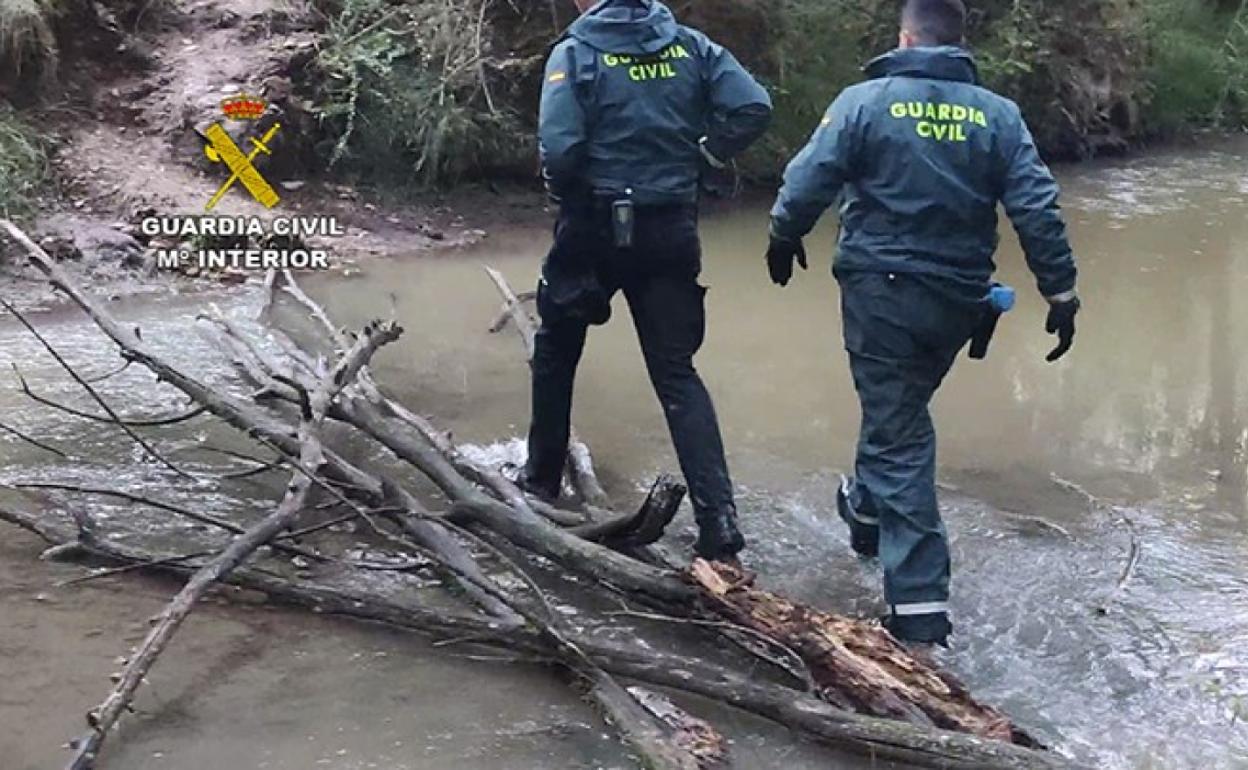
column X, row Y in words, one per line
column 932, row 22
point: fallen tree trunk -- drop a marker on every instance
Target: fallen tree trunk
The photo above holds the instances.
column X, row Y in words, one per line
column 858, row 666
column 311, row 456
column 580, row 464
column 357, row 598
column 492, row 527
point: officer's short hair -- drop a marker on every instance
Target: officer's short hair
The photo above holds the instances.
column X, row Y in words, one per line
column 935, row 22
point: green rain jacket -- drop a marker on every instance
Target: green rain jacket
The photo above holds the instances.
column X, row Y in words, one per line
column 921, row 155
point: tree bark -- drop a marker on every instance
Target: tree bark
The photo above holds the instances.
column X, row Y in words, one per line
column 353, row 596
column 851, row 664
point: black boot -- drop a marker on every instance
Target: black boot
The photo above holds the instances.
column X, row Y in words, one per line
column 718, row 537
column 919, row 629
column 547, row 493
column 864, row 536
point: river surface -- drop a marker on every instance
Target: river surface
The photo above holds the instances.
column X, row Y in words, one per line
column 1098, row 507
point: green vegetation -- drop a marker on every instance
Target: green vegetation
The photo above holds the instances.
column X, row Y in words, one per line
column 1198, row 70
column 414, row 90
column 27, row 42
column 23, row 165
column 405, row 92
column 428, row 92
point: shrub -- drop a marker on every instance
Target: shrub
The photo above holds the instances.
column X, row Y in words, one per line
column 23, row 165
column 1198, row 68
column 27, row 41
column 405, row 92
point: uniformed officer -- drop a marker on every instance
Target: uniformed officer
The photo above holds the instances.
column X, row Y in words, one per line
column 920, row 155
column 634, row 108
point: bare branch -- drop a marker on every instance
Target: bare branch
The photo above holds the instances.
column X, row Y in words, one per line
column 94, row 394
column 33, row 441
column 25, row 387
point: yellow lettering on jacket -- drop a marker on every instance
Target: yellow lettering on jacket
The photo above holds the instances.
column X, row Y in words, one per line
column 655, row 67
column 640, row 73
column 939, row 121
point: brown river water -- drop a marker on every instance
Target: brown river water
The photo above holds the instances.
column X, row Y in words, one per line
column 1148, row 416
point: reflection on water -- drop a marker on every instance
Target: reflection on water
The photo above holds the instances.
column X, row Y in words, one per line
column 1149, row 415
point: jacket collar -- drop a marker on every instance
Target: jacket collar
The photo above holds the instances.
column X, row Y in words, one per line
column 935, row 63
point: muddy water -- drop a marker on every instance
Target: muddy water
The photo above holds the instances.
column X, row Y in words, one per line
column 1148, row 416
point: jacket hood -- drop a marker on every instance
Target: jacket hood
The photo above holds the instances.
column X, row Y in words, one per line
column 634, row 27
column 944, row 62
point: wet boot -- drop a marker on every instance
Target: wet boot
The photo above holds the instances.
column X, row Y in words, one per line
column 919, row 632
column 718, row 537
column 864, row 531
column 545, row 492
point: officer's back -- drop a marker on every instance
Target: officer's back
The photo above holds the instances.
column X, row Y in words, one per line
column 922, row 155
column 635, row 101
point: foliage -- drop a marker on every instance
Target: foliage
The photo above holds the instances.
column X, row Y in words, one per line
column 415, row 89
column 405, row 91
column 27, row 41
column 1198, row 69
column 23, row 165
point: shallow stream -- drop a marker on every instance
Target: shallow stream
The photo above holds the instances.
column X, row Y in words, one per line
column 1052, row 475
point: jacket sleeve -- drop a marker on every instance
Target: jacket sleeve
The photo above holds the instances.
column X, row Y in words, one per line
column 562, row 130
column 1030, row 196
column 814, row 178
column 740, row 107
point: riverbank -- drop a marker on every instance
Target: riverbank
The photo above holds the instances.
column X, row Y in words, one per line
column 431, row 96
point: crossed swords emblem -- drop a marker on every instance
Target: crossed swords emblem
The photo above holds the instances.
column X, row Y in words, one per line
column 220, row 148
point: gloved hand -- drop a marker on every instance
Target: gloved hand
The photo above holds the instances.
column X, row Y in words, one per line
column 717, row 178
column 780, row 256
column 1061, row 321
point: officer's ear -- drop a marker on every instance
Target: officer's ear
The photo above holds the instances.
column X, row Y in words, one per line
column 907, row 39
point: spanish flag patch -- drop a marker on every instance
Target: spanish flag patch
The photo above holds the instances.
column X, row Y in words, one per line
column 557, row 77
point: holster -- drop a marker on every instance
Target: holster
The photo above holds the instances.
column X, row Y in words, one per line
column 984, row 332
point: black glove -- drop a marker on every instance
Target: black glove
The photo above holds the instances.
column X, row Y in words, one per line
column 1061, row 321
column 780, row 256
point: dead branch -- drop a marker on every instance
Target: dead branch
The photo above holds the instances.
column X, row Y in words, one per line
column 490, row 522
column 1114, row 513
column 581, row 465
column 489, row 478
column 311, row 455
column 157, row 422
column 33, row 441
column 857, row 665
column 873, row 737
column 78, row 378
column 505, row 316
column 255, row 423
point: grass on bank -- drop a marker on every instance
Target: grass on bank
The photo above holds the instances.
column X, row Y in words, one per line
column 23, row 164
column 1198, row 68
column 27, row 40
column 405, row 93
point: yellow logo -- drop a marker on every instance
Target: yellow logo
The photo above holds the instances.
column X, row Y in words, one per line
column 557, row 77
column 222, row 149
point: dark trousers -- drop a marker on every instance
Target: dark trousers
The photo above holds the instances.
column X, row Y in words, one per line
column 902, row 336
column 658, row 277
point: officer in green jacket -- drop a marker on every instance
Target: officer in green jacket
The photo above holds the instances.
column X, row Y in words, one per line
column 635, row 107
column 919, row 156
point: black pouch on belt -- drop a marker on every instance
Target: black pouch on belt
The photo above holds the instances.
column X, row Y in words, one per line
column 622, row 220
